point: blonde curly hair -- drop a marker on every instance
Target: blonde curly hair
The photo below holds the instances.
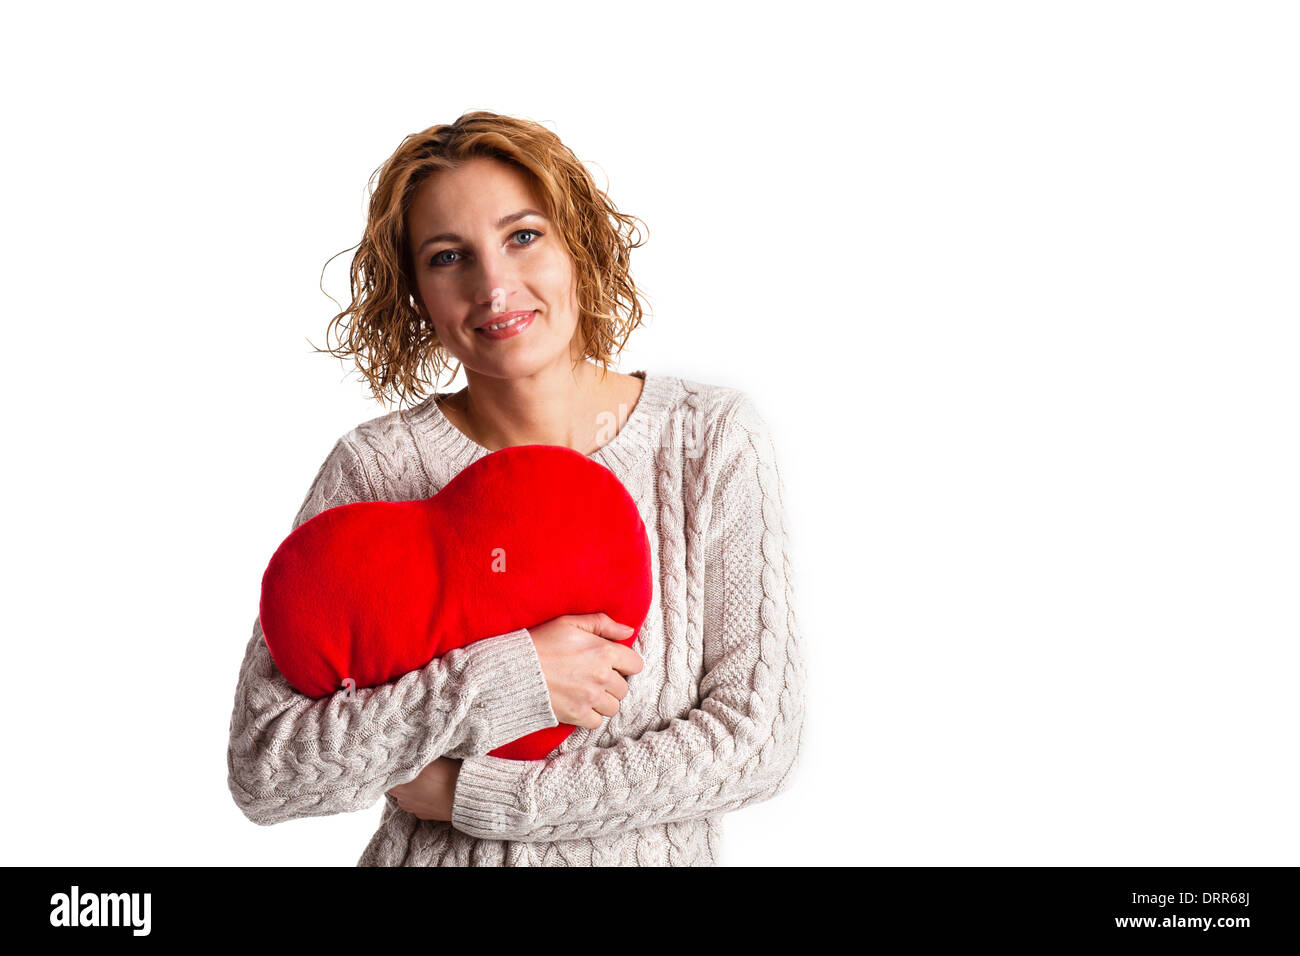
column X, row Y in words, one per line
column 394, row 349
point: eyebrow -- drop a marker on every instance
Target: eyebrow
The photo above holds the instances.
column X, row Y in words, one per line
column 501, row 224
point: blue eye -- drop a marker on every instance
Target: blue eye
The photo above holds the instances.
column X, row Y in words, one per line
column 438, row 261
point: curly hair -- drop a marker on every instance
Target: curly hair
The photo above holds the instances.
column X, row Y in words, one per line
column 390, row 343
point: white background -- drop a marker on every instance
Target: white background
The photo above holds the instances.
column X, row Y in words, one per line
column 1014, row 284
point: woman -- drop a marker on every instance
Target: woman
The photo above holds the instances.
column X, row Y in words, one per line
column 488, row 242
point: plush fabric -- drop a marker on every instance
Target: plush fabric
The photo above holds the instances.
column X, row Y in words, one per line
column 369, row 591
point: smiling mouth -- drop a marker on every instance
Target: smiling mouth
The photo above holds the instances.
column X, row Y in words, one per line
column 505, row 322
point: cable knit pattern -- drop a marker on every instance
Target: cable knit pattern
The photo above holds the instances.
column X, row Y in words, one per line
column 712, row 723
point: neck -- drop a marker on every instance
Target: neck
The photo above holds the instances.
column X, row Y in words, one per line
column 558, row 405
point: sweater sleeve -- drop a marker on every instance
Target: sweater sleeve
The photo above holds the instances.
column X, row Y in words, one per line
column 293, row 756
column 738, row 746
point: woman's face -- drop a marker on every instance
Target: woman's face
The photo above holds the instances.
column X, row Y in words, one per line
column 477, row 260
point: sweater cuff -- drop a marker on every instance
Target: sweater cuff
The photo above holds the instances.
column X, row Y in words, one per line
column 487, row 803
column 512, row 687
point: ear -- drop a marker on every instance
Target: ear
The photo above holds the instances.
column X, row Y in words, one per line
column 419, row 307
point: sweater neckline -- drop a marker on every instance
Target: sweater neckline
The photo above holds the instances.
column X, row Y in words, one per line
column 639, row 426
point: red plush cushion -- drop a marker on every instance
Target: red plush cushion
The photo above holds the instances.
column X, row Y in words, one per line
column 375, row 589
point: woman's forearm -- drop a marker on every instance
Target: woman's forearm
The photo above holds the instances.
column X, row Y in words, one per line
column 295, row 756
column 291, row 755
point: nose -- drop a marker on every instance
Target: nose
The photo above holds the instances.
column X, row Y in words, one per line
column 494, row 286
column 494, row 292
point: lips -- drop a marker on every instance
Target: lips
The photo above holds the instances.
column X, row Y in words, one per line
column 498, row 319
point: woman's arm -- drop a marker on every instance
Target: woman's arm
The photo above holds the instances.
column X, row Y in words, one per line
column 739, row 746
column 292, row 756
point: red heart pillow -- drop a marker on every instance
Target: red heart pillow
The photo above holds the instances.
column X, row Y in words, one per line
column 374, row 589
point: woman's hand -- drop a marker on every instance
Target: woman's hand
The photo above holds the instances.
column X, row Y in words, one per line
column 584, row 666
column 430, row 795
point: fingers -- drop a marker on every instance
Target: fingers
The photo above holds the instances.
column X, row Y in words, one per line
column 624, row 659
column 591, row 684
column 607, row 706
column 606, row 626
column 615, row 686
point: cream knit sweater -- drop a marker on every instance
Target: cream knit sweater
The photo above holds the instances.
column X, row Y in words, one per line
column 712, row 723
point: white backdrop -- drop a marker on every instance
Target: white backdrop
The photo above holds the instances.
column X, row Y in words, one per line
column 1014, row 285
